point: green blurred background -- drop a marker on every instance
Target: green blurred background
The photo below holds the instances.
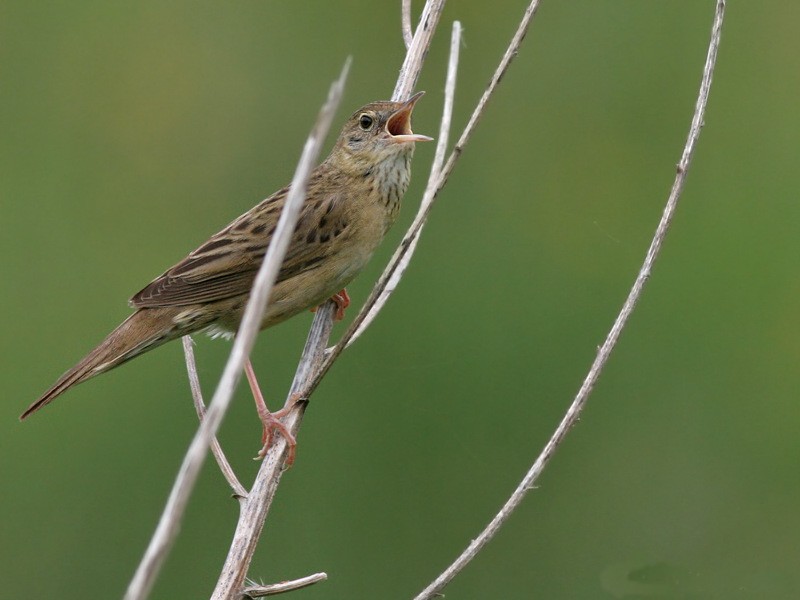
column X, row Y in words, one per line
column 132, row 131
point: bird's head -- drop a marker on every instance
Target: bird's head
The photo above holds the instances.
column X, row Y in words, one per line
column 376, row 132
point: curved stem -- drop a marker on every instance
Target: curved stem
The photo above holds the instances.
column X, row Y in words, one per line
column 570, row 418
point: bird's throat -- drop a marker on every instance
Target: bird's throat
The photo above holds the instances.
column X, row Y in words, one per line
column 392, row 176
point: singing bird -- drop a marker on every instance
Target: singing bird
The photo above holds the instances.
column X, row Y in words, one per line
column 352, row 200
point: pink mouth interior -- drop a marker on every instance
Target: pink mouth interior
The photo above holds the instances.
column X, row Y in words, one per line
column 399, row 123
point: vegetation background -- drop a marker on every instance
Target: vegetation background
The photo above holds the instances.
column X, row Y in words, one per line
column 132, row 131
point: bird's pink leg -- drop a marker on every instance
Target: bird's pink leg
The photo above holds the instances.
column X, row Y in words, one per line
column 342, row 301
column 271, row 421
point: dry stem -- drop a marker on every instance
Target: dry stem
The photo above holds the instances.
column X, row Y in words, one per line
column 405, row 20
column 200, row 407
column 527, row 483
column 418, row 50
column 259, row 591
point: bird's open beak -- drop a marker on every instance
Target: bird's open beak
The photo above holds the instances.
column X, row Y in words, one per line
column 399, row 124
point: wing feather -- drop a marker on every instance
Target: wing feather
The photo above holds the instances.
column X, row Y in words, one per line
column 227, row 264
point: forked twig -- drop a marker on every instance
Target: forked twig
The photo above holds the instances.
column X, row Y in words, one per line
column 527, row 483
column 200, row 408
column 167, row 528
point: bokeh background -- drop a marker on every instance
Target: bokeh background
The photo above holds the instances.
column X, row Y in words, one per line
column 132, row 131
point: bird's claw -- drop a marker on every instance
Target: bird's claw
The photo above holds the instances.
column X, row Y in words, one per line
column 272, row 424
column 342, row 301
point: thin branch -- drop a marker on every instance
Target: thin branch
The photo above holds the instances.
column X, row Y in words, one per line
column 259, row 591
column 402, row 256
column 200, row 408
column 505, row 62
column 418, row 50
column 527, row 483
column 449, row 99
column 405, row 20
column 168, row 525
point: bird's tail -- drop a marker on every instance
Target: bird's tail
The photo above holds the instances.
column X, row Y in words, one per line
column 143, row 330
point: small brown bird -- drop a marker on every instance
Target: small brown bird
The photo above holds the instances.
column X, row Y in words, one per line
column 352, row 200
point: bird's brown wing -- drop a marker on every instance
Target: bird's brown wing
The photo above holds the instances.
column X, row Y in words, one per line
column 226, row 265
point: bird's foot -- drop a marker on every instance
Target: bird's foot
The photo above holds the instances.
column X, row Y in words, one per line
column 270, row 421
column 342, row 301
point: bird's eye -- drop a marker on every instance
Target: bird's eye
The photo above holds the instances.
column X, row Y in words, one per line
column 365, row 122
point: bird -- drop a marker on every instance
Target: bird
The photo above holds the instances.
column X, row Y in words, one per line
column 353, row 197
